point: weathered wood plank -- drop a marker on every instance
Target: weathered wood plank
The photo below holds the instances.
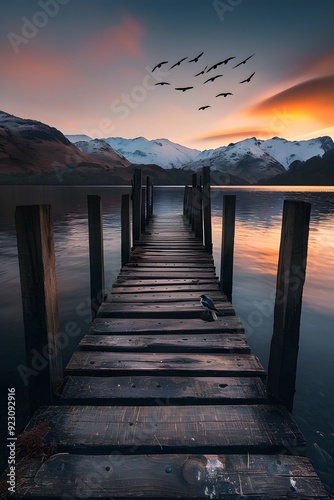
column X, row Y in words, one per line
column 168, row 284
column 119, row 326
column 170, row 429
column 162, row 390
column 166, row 265
column 197, row 290
column 158, row 297
column 234, row 343
column 191, row 309
column 163, row 275
column 171, row 476
column 121, row 363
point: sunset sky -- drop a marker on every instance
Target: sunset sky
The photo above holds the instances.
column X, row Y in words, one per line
column 85, row 67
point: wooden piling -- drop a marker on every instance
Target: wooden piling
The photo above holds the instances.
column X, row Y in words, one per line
column 206, row 200
column 143, row 210
column 125, row 230
column 96, row 257
column 227, row 247
column 136, row 206
column 151, row 198
column 36, row 256
column 197, row 210
column 148, row 199
column 288, row 302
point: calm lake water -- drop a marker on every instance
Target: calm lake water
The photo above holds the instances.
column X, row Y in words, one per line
column 258, row 225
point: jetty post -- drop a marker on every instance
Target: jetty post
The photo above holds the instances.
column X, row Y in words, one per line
column 96, row 258
column 288, row 302
column 227, row 247
column 125, row 230
column 36, row 254
column 136, row 206
column 206, row 200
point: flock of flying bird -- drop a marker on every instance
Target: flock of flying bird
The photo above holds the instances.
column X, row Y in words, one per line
column 203, row 72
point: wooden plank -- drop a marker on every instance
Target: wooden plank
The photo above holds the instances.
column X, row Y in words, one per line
column 159, row 310
column 171, row 282
column 168, row 476
column 120, row 326
column 219, row 342
column 145, row 288
column 155, row 390
column 158, row 297
column 169, row 265
column 165, row 275
column 169, row 429
column 121, row 363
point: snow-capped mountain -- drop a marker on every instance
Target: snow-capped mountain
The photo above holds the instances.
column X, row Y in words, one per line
column 282, row 150
column 160, row 152
column 78, row 137
column 101, row 151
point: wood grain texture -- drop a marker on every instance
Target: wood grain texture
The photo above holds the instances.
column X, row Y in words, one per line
column 220, row 342
column 120, row 363
column 169, row 476
column 224, row 324
column 163, row 390
column 170, row 429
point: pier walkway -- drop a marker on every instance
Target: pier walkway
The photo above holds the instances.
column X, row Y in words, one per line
column 162, row 403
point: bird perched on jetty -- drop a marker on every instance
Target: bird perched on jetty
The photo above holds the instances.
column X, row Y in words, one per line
column 209, row 305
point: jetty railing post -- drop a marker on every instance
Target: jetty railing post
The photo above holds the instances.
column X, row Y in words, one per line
column 143, row 209
column 136, row 206
column 207, row 210
column 198, row 219
column 125, row 230
column 227, row 247
column 36, row 256
column 151, row 198
column 288, row 302
column 193, row 186
column 96, row 258
column 148, row 199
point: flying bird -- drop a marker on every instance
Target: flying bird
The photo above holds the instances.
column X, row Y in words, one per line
column 178, row 62
column 196, row 58
column 243, row 62
column 203, row 107
column 212, row 79
column 162, row 83
column 202, row 72
column 159, row 65
column 249, row 78
column 215, row 66
column 209, row 305
column 183, row 88
column 224, row 94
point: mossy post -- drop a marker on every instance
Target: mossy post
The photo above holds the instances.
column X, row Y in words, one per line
column 36, row 256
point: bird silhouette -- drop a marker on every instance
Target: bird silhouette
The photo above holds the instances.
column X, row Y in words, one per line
column 203, row 107
column 178, row 62
column 224, row 94
column 159, row 65
column 215, row 66
column 249, row 78
column 212, row 79
column 183, row 88
column 243, row 62
column 162, row 83
column 202, row 72
column 196, row 58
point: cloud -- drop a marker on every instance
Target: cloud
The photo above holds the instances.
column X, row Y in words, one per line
column 312, row 99
column 237, row 134
column 117, row 41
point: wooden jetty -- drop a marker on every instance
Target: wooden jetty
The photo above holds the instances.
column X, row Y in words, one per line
column 162, row 403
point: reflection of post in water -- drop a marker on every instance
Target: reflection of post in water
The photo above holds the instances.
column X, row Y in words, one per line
column 289, row 290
